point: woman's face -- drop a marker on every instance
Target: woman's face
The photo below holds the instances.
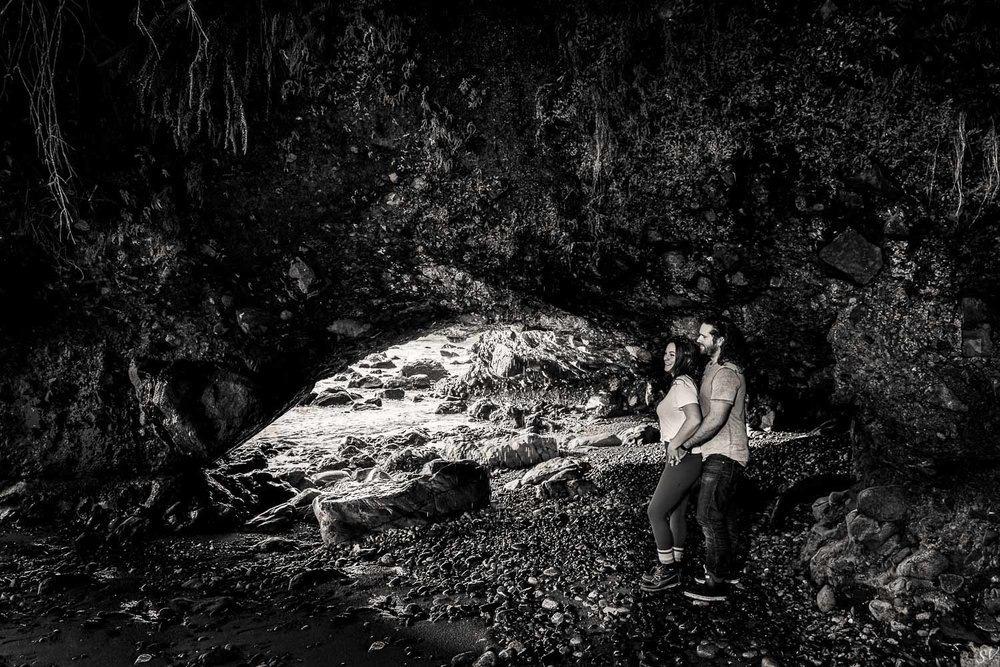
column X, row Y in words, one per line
column 669, row 357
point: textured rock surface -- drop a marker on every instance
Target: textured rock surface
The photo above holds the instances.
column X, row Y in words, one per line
column 522, row 451
column 440, row 489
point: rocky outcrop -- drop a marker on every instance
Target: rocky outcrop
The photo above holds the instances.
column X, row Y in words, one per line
column 568, row 364
column 911, row 555
column 440, row 489
column 522, row 451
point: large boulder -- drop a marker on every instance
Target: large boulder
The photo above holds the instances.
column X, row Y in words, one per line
column 440, row 489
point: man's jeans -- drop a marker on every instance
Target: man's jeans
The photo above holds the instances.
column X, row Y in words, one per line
column 717, row 513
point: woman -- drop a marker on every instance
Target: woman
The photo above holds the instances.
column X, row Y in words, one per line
column 680, row 416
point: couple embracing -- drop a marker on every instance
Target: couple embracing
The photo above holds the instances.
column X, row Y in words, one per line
column 704, row 428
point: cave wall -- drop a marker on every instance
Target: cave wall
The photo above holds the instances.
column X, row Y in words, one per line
column 827, row 177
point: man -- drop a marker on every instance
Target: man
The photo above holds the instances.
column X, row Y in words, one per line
column 722, row 439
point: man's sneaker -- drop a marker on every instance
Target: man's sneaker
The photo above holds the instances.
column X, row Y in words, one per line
column 703, row 577
column 661, row 578
column 708, row 592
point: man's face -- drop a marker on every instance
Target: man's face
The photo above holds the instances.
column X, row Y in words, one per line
column 707, row 342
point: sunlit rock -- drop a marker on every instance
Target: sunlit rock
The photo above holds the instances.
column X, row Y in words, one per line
column 522, row 451
column 440, row 489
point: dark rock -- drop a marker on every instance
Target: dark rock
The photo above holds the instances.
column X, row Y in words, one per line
column 275, row 544
column 410, row 459
column 482, row 409
column 418, row 381
column 329, row 477
column 253, row 321
column 883, row 503
column 371, row 382
column 377, row 360
column 863, row 529
column 280, row 516
column 977, row 341
column 643, row 434
column 442, row 488
column 204, row 410
column 313, row 576
column 924, row 564
column 832, row 509
column 826, row 600
column 852, row 254
column 333, row 397
column 450, row 407
column 395, row 394
column 557, row 468
column 432, row 369
column 411, row 437
column 882, row 611
column 945, row 398
column 602, row 405
column 303, row 275
column 14, row 494
column 951, row 583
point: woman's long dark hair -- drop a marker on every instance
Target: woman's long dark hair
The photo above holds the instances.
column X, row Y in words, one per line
column 687, row 360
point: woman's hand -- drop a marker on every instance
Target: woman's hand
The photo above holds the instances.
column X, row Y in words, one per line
column 675, row 453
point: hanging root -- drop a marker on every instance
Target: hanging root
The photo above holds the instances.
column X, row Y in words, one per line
column 32, row 34
column 959, row 144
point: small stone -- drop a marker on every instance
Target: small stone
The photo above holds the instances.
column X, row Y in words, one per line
column 707, row 650
column 882, row 611
column 768, row 661
column 376, row 646
column 549, row 604
column 950, row 583
column 826, row 600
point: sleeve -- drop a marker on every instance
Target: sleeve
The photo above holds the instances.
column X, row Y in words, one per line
column 725, row 384
column 687, row 393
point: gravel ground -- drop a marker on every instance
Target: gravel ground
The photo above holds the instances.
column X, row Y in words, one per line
column 539, row 581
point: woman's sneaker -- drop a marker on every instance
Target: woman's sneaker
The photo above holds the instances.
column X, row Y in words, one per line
column 703, row 577
column 661, row 577
column 652, row 574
